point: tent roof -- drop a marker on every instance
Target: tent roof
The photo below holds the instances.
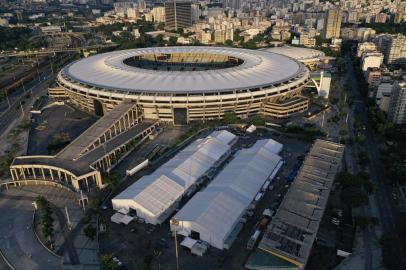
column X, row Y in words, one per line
column 219, row 206
column 159, row 190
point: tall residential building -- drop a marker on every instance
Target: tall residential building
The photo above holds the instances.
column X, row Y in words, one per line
column 365, row 47
column 397, row 107
column 233, row 4
column 400, row 13
column 395, row 50
column 178, row 14
column 371, row 60
column 332, row 23
column 158, row 13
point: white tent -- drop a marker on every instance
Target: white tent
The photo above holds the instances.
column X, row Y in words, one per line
column 271, row 145
column 188, row 242
column 251, row 129
column 155, row 196
column 216, row 211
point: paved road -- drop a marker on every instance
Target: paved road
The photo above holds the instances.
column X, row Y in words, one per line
column 73, row 255
column 8, row 116
column 388, row 212
column 17, row 240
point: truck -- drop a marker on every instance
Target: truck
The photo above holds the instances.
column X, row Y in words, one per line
column 267, row 213
column 253, row 240
column 263, row 223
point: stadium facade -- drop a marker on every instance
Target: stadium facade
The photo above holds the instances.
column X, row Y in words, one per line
column 182, row 84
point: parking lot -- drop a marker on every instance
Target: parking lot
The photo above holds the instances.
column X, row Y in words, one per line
column 55, row 120
column 137, row 245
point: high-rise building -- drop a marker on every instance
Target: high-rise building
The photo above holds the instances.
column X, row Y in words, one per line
column 371, row 60
column 178, row 14
column 394, row 49
column 400, row 13
column 158, row 14
column 233, row 4
column 332, row 23
column 397, row 107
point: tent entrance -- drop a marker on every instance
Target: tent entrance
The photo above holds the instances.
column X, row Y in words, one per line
column 195, row 235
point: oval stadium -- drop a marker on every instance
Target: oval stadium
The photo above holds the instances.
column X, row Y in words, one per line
column 182, row 84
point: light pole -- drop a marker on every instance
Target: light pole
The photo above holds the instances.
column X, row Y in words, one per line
column 176, row 251
column 8, row 100
column 67, row 218
column 22, row 83
column 22, row 109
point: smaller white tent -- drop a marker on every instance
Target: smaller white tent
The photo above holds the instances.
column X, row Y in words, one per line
column 251, row 129
column 154, row 197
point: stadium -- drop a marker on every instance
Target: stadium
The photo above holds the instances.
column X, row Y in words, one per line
column 182, row 84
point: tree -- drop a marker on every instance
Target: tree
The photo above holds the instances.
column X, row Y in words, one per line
column 237, row 37
column 250, row 44
column 58, row 142
column 351, row 192
column 172, row 41
column 112, row 179
column 230, row 118
column 90, row 231
column 229, row 42
column 161, row 26
column 107, row 262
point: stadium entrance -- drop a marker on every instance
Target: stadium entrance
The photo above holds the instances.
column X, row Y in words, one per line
column 180, row 116
column 98, row 107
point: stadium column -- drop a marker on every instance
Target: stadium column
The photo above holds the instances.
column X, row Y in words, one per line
column 52, row 175
column 75, row 183
column 43, row 173
column 12, row 172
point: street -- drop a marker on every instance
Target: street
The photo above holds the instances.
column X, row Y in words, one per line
column 387, row 210
column 15, row 110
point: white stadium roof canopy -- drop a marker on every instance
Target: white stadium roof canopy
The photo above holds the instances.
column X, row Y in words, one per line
column 297, row 53
column 215, row 211
column 108, row 71
column 152, row 195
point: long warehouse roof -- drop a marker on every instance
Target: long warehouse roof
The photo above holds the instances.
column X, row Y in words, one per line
column 258, row 69
column 294, row 227
column 218, row 207
column 156, row 192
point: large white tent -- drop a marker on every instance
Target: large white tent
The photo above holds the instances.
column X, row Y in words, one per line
column 155, row 196
column 214, row 213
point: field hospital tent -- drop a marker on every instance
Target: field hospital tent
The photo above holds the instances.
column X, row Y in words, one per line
column 154, row 197
column 213, row 214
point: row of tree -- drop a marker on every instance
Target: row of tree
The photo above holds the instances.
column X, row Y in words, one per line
column 47, row 227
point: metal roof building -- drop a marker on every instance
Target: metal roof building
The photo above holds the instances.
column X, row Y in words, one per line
column 155, row 196
column 214, row 214
column 294, row 227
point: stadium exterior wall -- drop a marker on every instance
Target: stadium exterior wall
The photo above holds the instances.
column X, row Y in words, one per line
column 103, row 81
column 205, row 106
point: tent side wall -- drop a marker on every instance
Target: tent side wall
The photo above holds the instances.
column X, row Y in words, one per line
column 186, row 227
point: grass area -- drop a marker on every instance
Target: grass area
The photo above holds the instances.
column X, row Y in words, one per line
column 58, row 142
column 228, row 119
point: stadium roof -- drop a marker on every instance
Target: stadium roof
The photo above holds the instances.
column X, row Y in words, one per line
column 294, row 227
column 219, row 207
column 154, row 194
column 108, row 71
column 297, row 53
